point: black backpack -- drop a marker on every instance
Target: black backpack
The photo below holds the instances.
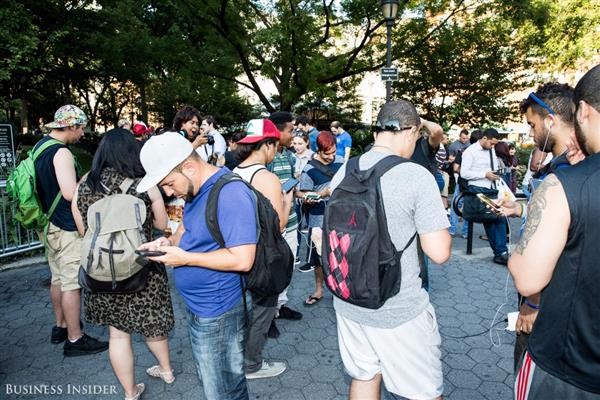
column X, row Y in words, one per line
column 360, row 262
column 273, row 264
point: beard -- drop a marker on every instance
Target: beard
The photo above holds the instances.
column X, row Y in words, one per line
column 546, row 142
column 190, row 191
column 581, row 138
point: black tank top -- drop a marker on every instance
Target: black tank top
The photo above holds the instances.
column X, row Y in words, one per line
column 565, row 341
column 47, row 187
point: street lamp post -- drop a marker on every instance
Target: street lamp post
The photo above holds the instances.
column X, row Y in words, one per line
column 390, row 10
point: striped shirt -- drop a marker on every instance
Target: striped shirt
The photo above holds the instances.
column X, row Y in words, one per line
column 283, row 167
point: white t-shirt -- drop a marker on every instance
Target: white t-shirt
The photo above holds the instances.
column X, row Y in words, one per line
column 219, row 147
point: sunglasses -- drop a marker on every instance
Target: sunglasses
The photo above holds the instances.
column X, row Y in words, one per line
column 390, row 125
column 541, row 103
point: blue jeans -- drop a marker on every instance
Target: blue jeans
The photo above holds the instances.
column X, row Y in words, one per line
column 454, row 217
column 496, row 232
column 218, row 348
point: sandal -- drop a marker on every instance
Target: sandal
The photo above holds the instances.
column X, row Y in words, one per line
column 312, row 300
column 166, row 376
column 139, row 389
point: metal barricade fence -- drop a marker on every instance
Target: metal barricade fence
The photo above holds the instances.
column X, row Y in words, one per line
column 14, row 239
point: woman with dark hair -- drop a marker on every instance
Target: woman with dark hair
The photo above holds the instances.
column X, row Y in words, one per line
column 513, row 164
column 314, row 182
column 504, row 161
column 148, row 311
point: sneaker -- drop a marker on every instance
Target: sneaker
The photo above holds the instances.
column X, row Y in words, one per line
column 287, row 313
column 464, row 236
column 273, row 332
column 59, row 335
column 269, row 369
column 83, row 346
column 297, row 261
column 306, row 267
column 501, row 259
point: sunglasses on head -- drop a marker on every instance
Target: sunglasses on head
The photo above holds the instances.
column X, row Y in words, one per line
column 541, row 103
column 390, row 125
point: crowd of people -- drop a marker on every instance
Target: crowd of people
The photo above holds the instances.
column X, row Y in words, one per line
column 298, row 168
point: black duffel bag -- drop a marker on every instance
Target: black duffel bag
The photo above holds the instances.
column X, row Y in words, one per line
column 474, row 209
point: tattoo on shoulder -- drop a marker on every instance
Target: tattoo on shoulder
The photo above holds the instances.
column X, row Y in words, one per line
column 534, row 212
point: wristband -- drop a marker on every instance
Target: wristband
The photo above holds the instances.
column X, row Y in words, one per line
column 522, row 209
column 531, row 305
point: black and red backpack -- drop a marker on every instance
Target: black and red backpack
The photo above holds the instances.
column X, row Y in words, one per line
column 360, row 262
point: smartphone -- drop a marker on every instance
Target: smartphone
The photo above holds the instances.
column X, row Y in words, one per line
column 289, row 185
column 488, row 201
column 312, row 196
column 150, row 253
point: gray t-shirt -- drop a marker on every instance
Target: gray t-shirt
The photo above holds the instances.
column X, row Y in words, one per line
column 412, row 203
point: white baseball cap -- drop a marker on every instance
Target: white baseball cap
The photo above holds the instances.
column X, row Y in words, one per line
column 160, row 155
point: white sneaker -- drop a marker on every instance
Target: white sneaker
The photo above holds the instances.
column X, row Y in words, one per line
column 269, row 369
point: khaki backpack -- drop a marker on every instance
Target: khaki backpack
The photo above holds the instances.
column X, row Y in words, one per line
column 109, row 263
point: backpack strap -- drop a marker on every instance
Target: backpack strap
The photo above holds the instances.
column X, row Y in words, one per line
column 212, row 221
column 255, row 172
column 322, row 168
column 211, row 213
column 380, row 168
column 36, row 152
column 125, row 185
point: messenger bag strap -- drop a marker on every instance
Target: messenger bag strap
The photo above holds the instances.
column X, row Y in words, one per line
column 492, row 167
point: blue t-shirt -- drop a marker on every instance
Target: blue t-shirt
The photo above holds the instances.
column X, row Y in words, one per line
column 209, row 293
column 312, row 138
column 343, row 140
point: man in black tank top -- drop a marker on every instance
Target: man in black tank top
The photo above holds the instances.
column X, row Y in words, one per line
column 57, row 179
column 558, row 256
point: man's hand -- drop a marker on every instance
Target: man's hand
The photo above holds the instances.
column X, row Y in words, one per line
column 175, row 256
column 491, row 176
column 526, row 318
column 199, row 141
column 508, row 208
column 574, row 152
column 155, row 245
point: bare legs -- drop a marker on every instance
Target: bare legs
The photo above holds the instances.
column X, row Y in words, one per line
column 120, row 353
column 368, row 390
column 67, row 307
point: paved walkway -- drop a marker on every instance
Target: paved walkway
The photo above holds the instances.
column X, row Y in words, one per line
column 466, row 292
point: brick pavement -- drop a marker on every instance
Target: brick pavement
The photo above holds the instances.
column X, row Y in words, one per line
column 466, row 293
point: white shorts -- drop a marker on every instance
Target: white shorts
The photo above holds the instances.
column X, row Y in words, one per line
column 408, row 357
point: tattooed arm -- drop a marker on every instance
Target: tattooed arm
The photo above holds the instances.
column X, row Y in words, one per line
column 535, row 256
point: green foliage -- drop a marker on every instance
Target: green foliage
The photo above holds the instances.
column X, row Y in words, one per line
column 463, row 71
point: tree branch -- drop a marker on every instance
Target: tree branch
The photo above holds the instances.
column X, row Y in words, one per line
column 327, row 23
column 437, row 28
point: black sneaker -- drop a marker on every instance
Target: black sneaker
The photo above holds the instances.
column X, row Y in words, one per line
column 306, row 267
column 83, row 346
column 59, row 335
column 501, row 259
column 273, row 331
column 287, row 313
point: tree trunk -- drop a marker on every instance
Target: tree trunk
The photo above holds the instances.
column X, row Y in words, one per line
column 23, row 116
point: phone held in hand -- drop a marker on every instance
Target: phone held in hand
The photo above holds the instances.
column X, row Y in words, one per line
column 289, row 185
column 488, row 201
column 312, row 196
column 150, row 253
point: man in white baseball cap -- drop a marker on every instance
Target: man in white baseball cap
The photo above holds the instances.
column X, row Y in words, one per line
column 206, row 274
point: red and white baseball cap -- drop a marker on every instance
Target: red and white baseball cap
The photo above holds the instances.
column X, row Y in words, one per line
column 260, row 129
